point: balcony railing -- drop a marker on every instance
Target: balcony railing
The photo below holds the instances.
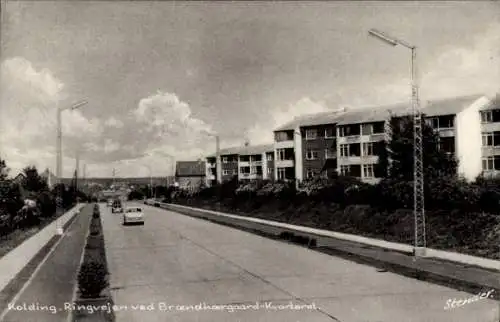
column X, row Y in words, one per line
column 284, row 163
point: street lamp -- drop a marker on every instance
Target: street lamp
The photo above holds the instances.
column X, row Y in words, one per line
column 59, row 110
column 418, row 171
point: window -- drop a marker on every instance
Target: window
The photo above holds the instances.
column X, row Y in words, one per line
column 433, row 122
column 378, row 127
column 330, row 154
column 368, row 149
column 446, row 122
column 269, row 157
column 487, row 139
column 367, row 129
column 281, row 173
column 344, row 150
column 311, row 134
column 269, row 170
column 225, row 172
column 283, row 136
column 253, row 170
column 486, row 116
column 368, row 171
column 349, row 130
column 235, row 172
column 488, row 163
column 329, row 133
column 225, row 160
column 345, row 170
column 310, row 174
column 311, row 155
column 280, row 154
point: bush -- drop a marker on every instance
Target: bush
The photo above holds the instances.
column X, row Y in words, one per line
column 92, row 279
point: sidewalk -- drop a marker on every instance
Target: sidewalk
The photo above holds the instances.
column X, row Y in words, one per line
column 53, row 284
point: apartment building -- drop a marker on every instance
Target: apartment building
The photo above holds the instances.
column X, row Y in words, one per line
column 490, row 139
column 306, row 146
column 348, row 142
column 245, row 163
column 256, row 162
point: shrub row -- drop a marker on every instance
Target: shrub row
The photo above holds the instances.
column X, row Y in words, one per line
column 93, row 274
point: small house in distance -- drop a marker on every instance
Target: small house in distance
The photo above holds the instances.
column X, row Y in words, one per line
column 190, row 174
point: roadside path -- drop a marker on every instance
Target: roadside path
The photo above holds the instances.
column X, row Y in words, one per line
column 52, row 286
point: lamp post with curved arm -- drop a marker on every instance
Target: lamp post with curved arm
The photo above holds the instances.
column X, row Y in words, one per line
column 418, row 171
column 59, row 201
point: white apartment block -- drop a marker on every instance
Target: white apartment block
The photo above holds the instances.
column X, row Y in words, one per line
column 468, row 127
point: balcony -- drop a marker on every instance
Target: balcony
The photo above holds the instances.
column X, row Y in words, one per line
column 490, row 127
column 376, row 137
column 369, row 159
column 211, row 165
column 256, row 163
column 490, row 150
column 250, row 176
column 445, row 132
column 284, row 144
column 211, row 177
column 349, row 139
column 350, row 160
column 284, row 163
column 491, row 173
column 244, row 163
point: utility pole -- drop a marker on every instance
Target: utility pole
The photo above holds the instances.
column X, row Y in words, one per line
column 77, row 169
column 218, row 164
column 114, row 173
column 419, row 209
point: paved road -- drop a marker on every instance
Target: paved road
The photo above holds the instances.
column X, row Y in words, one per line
column 178, row 260
column 53, row 284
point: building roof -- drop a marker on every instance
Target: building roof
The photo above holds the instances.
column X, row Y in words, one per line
column 190, row 168
column 246, row 150
column 329, row 117
column 380, row 113
column 493, row 103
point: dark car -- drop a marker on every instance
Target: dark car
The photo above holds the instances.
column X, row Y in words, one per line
column 117, row 206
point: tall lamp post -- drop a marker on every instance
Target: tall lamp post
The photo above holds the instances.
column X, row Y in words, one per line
column 418, row 171
column 59, row 110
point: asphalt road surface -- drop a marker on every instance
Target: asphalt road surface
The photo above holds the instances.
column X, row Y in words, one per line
column 178, row 268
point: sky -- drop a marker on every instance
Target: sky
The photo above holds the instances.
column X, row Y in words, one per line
column 161, row 78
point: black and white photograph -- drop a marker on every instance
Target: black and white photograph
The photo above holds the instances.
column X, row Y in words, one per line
column 249, row 161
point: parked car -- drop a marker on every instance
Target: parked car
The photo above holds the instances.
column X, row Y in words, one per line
column 117, row 206
column 133, row 215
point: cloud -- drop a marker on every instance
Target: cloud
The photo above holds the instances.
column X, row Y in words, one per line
column 113, row 122
column 29, row 100
column 471, row 70
column 162, row 125
column 457, row 71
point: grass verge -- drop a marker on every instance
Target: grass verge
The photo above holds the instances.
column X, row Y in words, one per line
column 18, row 236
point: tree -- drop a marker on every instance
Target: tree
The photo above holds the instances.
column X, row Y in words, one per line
column 4, row 171
column 32, row 181
column 436, row 162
